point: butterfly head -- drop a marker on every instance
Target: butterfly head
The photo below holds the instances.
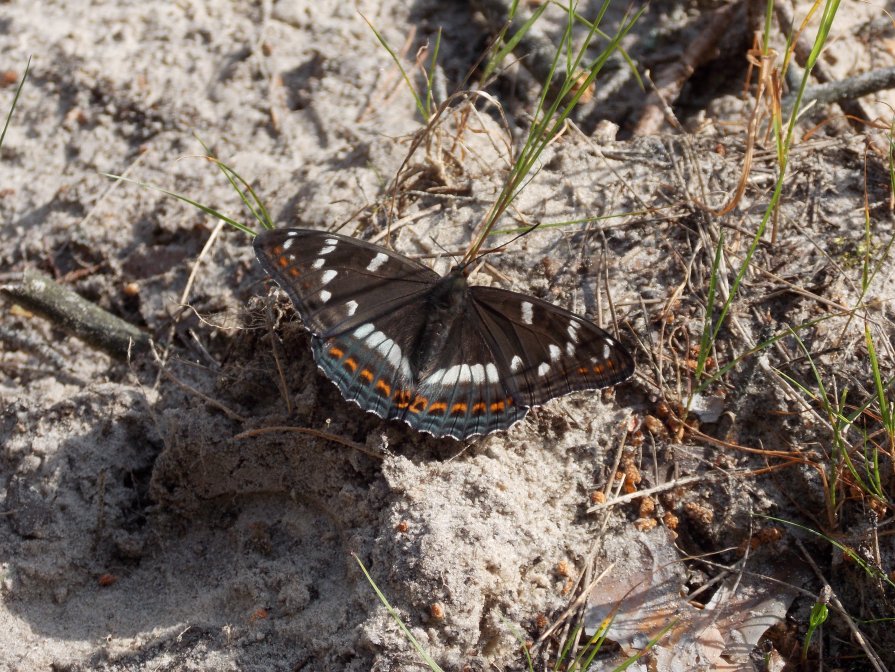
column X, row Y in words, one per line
column 449, row 293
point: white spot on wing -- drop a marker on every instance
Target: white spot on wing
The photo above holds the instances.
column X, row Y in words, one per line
column 436, row 378
column 477, row 371
column 332, row 241
column 491, row 373
column 319, row 263
column 386, row 347
column 329, row 248
column 543, row 369
column 392, row 353
column 351, row 306
column 606, row 350
column 459, row 373
column 327, row 277
column 555, row 352
column 527, row 312
column 324, row 296
column 516, row 364
column 377, row 262
column 405, row 368
column 287, row 243
column 464, row 373
column 573, row 331
column 364, row 330
column 570, row 349
column 374, row 339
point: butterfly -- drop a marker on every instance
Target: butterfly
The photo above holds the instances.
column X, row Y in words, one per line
column 448, row 358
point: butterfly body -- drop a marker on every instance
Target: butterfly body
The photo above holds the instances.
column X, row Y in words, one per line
column 448, row 358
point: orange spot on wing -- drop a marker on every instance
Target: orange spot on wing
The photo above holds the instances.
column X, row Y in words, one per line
column 497, row 406
column 335, row 353
column 599, row 368
column 438, row 408
column 583, row 370
column 294, row 272
column 458, row 408
column 278, row 250
column 283, row 261
column 383, row 388
column 419, row 404
column 478, row 408
column 367, row 375
column 402, row 398
column 350, row 364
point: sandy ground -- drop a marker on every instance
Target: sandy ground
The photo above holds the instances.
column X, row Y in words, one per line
column 140, row 531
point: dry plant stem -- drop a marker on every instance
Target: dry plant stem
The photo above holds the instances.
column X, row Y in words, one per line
column 579, row 602
column 312, row 432
column 834, row 601
column 565, row 619
column 802, row 48
column 185, row 295
column 233, row 415
column 607, row 491
column 393, row 80
column 670, row 80
column 668, row 485
column 422, row 214
column 281, row 375
column 764, row 63
column 422, row 135
column 76, row 315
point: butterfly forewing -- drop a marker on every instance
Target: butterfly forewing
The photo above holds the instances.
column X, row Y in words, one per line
column 329, row 277
column 403, row 342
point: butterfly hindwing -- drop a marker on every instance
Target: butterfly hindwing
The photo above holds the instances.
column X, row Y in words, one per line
column 468, row 388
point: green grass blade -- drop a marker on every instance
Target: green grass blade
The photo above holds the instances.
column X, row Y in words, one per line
column 246, row 193
column 416, row 97
column 818, row 617
column 649, row 645
column 508, row 46
column 784, row 145
column 708, row 333
column 395, row 615
column 430, row 76
column 551, row 118
column 852, row 555
column 15, row 99
column 185, row 199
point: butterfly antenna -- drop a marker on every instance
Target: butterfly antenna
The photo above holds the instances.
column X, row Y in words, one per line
column 499, row 248
column 456, row 262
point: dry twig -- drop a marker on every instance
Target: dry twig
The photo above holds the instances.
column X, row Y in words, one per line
column 671, row 80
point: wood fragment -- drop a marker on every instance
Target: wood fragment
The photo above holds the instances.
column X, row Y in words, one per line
column 671, row 79
column 76, row 315
column 843, row 91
